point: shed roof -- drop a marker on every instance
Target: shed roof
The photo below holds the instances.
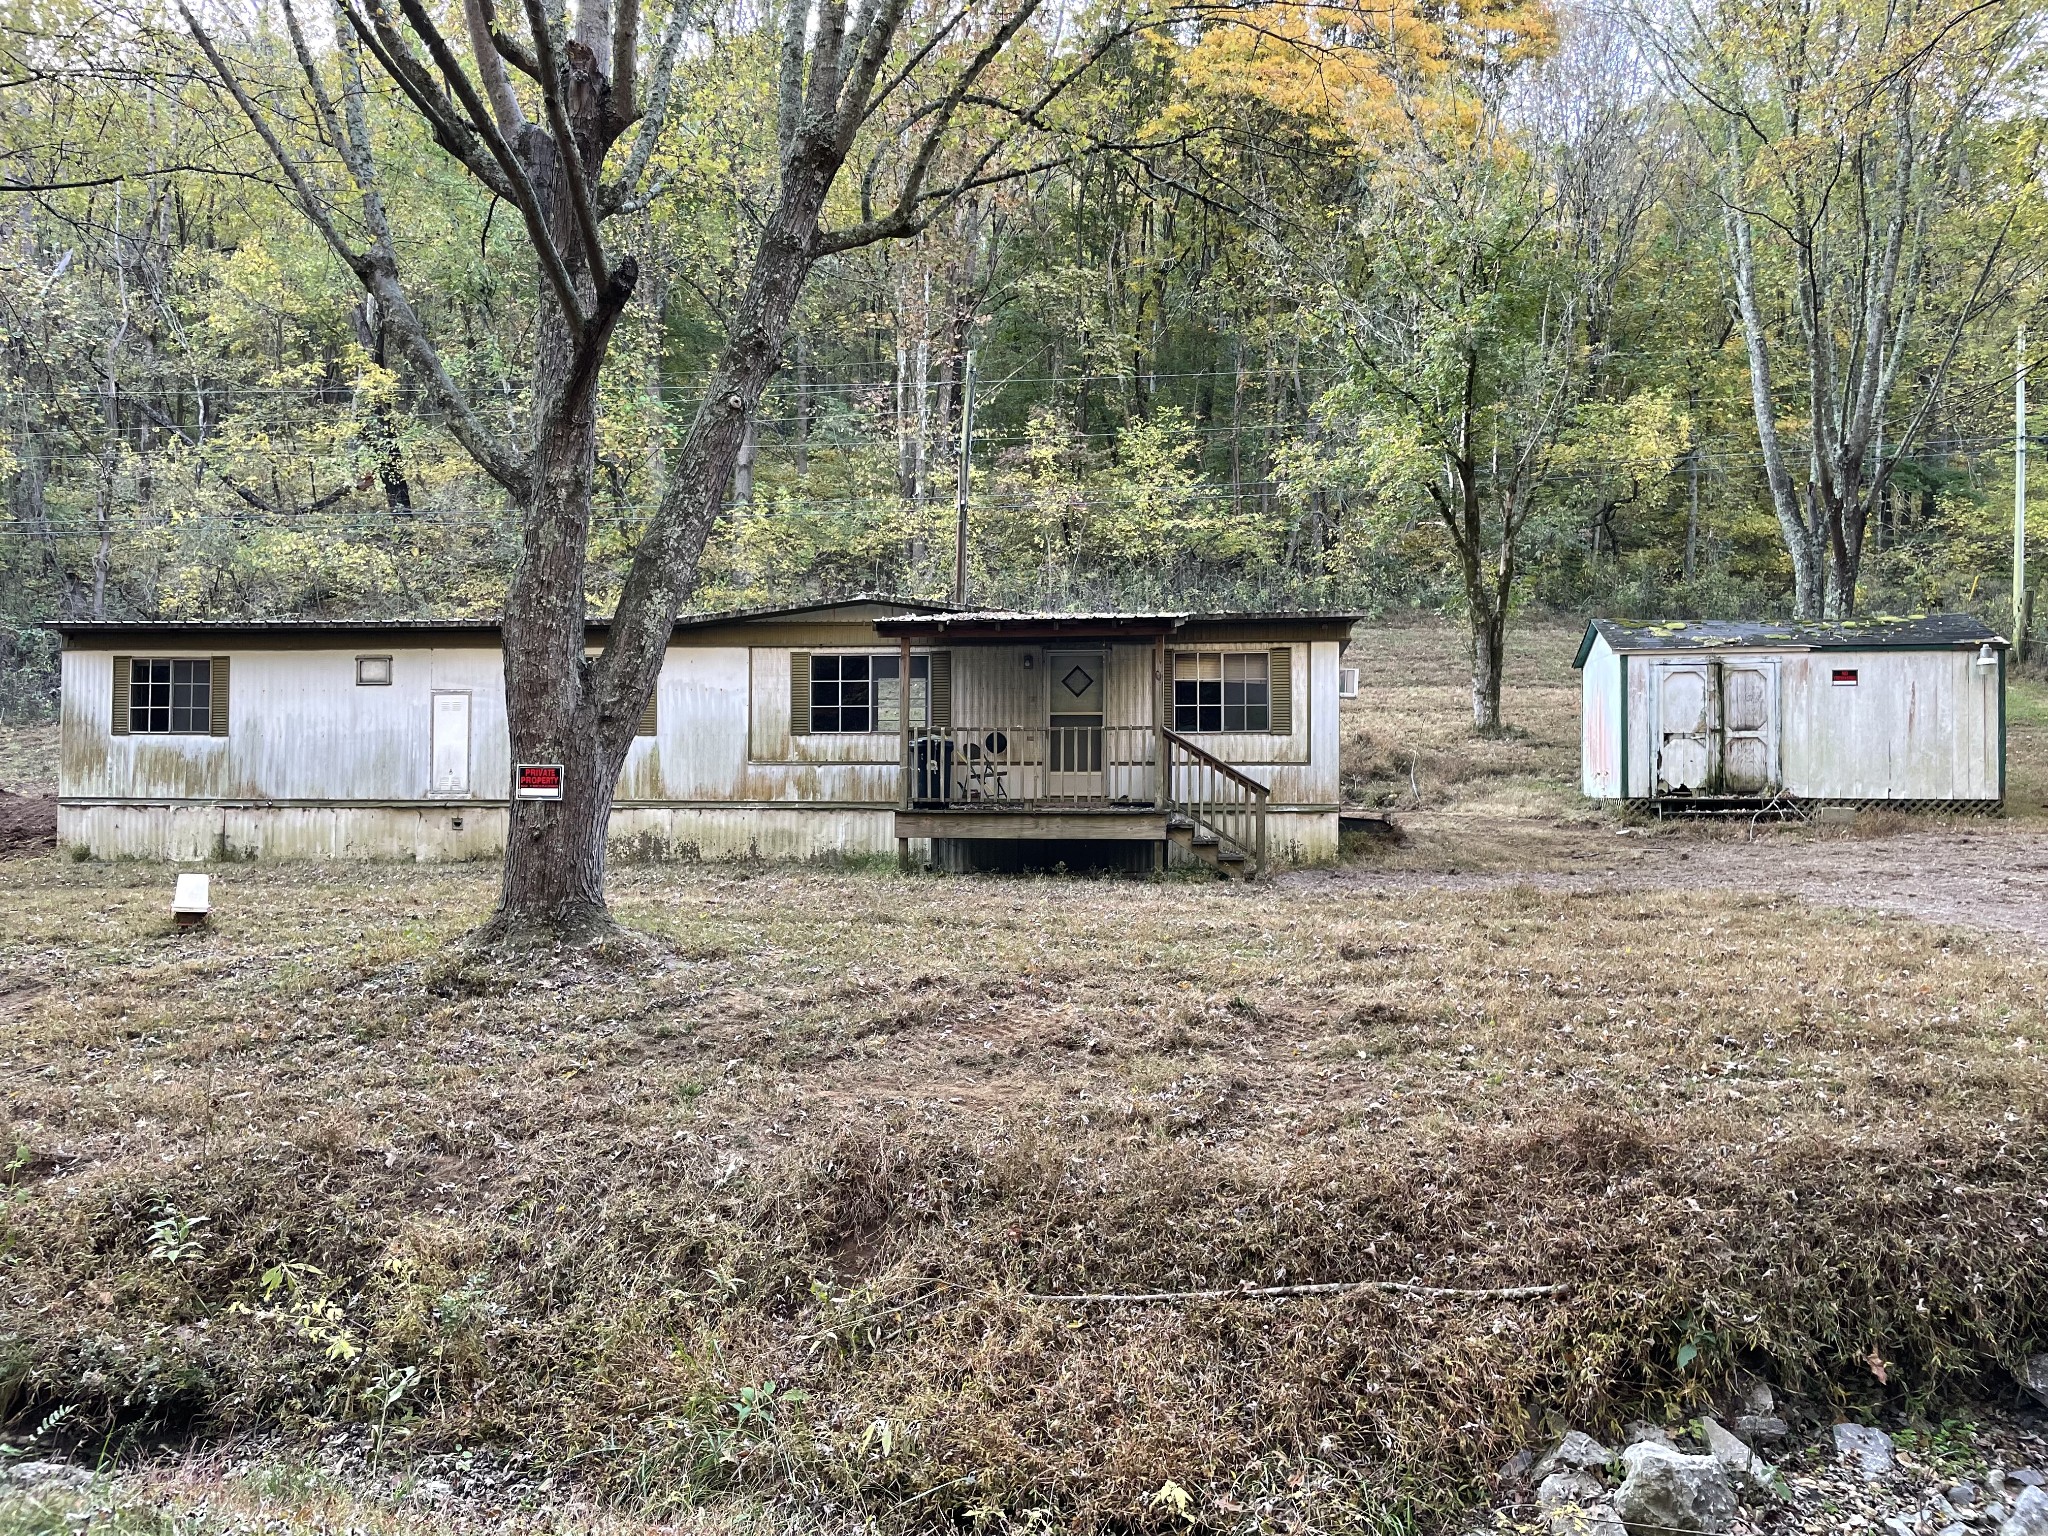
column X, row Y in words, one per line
column 1908, row 632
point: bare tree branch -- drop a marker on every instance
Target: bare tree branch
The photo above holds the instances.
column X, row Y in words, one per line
column 554, row 88
column 490, row 67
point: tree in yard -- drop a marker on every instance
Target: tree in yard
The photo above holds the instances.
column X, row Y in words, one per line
column 1474, row 288
column 554, row 118
column 1871, row 169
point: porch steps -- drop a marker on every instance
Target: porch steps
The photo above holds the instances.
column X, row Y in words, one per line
column 1209, row 848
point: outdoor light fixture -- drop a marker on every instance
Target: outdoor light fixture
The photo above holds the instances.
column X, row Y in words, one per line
column 1987, row 655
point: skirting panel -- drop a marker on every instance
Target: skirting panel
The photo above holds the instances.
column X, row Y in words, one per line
column 437, row 834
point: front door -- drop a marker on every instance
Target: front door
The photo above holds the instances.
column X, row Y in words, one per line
column 1074, row 740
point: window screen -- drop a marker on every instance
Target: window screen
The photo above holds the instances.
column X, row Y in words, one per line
column 1221, row 691
column 170, row 697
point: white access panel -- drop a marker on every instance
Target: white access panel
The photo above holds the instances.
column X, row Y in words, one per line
column 451, row 743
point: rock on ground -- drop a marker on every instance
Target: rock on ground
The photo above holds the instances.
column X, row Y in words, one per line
column 1749, row 1472
column 1667, row 1491
column 1576, row 1452
column 1870, row 1449
column 2029, row 1515
column 2034, row 1377
column 1574, row 1503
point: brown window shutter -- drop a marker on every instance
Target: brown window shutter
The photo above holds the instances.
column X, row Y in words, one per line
column 1280, row 690
column 124, row 673
column 799, row 693
column 650, row 717
column 217, row 697
column 939, row 692
column 1166, row 690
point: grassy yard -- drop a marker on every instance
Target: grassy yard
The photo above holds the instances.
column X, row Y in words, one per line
column 753, row 1222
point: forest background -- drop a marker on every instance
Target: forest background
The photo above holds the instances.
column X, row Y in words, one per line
column 1411, row 307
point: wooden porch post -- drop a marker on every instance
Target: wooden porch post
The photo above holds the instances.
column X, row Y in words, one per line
column 903, row 740
column 1162, row 774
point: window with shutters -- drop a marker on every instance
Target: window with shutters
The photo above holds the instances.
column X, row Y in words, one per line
column 170, row 696
column 861, row 693
column 1217, row 691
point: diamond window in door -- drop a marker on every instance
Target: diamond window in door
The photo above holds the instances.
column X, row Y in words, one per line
column 1078, row 681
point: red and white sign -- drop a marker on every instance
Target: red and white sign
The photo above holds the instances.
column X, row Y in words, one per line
column 538, row 781
column 1845, row 677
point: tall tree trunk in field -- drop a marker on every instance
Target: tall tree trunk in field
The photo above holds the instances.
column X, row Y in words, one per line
column 562, row 705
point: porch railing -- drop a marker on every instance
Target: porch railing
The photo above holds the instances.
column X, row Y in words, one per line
column 1098, row 767
column 1217, row 799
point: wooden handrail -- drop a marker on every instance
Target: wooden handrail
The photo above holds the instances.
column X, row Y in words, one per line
column 1210, row 760
column 1226, row 803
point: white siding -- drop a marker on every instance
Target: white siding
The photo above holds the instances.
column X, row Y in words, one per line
column 1917, row 725
column 1600, row 719
column 315, row 765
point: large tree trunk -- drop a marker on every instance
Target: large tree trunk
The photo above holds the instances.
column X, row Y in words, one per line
column 554, row 854
column 582, row 713
column 1489, row 659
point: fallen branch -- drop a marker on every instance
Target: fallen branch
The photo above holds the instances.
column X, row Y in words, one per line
column 1338, row 1288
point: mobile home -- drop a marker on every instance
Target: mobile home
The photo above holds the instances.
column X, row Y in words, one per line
column 858, row 727
column 1904, row 712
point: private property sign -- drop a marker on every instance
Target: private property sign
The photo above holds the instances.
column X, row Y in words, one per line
column 537, row 781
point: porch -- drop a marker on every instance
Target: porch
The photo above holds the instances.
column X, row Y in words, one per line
column 1077, row 749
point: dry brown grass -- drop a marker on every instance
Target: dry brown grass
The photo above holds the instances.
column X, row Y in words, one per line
column 835, row 1127
column 28, row 759
column 833, row 1139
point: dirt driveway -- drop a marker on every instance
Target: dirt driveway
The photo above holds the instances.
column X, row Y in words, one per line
column 1992, row 879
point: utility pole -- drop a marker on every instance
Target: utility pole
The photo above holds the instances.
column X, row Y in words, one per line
column 1692, row 519
column 2020, row 614
column 961, row 485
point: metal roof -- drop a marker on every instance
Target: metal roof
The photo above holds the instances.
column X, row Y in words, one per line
column 913, row 616
column 479, row 626
column 1879, row 632
column 1006, row 623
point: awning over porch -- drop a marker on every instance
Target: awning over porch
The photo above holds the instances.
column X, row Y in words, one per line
column 1011, row 627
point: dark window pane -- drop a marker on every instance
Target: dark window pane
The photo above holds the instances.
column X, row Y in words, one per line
column 1256, row 718
column 823, row 668
column 1212, row 717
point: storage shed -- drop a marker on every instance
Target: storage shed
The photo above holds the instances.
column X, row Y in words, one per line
column 1904, row 712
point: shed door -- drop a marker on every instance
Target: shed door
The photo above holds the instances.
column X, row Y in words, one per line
column 451, row 744
column 1749, row 725
column 1685, row 729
